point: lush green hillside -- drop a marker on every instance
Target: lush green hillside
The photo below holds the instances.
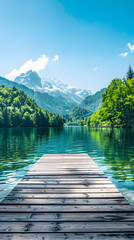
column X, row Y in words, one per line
column 93, row 102
column 117, row 109
column 77, row 116
column 44, row 100
column 17, row 109
column 78, row 113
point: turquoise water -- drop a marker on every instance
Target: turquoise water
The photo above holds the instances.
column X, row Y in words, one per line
column 112, row 150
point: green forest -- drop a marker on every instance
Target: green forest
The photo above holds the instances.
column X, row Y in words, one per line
column 17, row 109
column 77, row 116
column 117, row 109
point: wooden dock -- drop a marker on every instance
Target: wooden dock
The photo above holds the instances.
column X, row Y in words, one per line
column 66, row 197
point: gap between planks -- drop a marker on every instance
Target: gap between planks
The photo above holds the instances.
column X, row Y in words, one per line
column 66, row 194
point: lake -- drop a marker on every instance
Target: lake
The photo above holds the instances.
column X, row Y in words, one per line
column 111, row 149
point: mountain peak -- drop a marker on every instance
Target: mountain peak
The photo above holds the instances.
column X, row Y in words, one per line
column 53, row 87
column 29, row 79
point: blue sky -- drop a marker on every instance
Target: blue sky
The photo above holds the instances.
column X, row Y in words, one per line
column 81, row 42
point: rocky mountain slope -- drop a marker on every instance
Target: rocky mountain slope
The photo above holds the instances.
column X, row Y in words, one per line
column 54, row 104
column 94, row 101
column 54, row 95
column 53, row 87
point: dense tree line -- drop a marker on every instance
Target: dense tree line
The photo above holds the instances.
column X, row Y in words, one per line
column 93, row 102
column 77, row 116
column 117, row 107
column 17, row 109
column 77, row 113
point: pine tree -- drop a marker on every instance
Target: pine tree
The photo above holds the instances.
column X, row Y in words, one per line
column 130, row 73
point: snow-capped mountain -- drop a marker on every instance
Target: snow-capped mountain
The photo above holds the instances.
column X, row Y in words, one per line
column 30, row 79
column 53, row 87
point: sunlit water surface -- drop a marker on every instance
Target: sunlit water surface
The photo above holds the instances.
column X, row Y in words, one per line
column 112, row 150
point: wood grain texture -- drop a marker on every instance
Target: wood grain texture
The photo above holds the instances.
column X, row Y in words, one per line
column 84, row 195
column 66, row 227
column 62, row 177
column 65, row 208
column 66, row 186
column 67, row 236
column 64, row 181
column 67, row 201
column 60, row 217
column 66, row 197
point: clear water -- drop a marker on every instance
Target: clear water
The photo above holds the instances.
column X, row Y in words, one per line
column 112, row 150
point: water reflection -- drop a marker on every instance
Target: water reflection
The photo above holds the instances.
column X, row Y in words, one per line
column 118, row 150
column 112, row 149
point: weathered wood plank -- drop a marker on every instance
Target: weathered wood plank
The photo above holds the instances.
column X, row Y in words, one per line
column 76, row 182
column 65, row 217
column 64, row 191
column 67, row 177
column 67, row 236
column 67, row 164
column 69, row 173
column 65, row 186
column 65, row 208
column 65, row 161
column 63, row 169
column 116, row 201
column 67, row 195
column 86, row 227
column 67, row 156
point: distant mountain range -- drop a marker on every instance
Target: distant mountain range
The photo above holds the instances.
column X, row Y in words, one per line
column 54, row 95
column 44, row 100
column 53, row 87
column 93, row 102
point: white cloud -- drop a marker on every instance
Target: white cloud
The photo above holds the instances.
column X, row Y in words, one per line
column 37, row 65
column 124, row 54
column 131, row 47
column 55, row 58
column 95, row 68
